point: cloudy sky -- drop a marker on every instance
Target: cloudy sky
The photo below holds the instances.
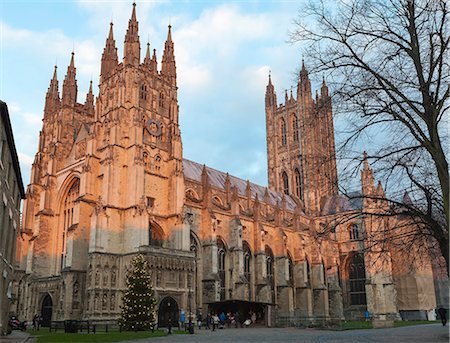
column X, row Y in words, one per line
column 224, row 51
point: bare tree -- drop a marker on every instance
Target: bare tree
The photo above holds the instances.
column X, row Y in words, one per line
column 387, row 62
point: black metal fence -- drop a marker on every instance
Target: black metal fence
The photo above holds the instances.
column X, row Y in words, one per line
column 74, row 326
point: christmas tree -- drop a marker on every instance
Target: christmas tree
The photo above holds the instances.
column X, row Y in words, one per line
column 139, row 304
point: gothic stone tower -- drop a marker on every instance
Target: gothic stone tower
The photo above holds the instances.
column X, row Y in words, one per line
column 107, row 182
column 300, row 144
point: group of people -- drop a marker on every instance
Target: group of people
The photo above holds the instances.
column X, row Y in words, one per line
column 215, row 320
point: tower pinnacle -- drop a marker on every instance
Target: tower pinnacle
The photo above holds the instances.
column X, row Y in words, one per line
column 70, row 89
column 109, row 56
column 132, row 47
column 168, row 67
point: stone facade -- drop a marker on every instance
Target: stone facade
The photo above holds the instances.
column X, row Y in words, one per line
column 109, row 181
column 11, row 193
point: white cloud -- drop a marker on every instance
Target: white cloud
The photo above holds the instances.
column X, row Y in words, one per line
column 56, row 44
column 25, row 160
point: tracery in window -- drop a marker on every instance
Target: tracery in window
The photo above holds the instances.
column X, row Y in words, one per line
column 295, row 127
column 357, row 280
column 270, row 271
column 68, row 215
column 283, row 132
column 285, row 183
column 155, row 235
column 221, row 260
column 298, row 183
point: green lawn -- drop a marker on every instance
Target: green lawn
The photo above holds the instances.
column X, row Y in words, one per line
column 43, row 336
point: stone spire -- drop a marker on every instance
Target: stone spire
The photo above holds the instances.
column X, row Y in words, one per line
column 70, row 89
column 109, row 56
column 52, row 101
column 89, row 104
column 168, row 67
column 132, row 48
column 304, row 84
column 367, row 179
column 271, row 98
column 148, row 59
column 324, row 89
column 154, row 67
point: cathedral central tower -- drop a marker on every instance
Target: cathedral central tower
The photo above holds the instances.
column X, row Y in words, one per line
column 301, row 153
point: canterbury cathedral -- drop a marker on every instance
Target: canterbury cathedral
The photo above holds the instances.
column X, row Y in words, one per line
column 109, row 181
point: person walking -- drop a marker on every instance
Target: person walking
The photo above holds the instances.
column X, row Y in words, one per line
column 208, row 320
column 169, row 326
column 199, row 320
column 443, row 314
column 215, row 321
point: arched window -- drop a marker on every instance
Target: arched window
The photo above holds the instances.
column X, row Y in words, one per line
column 357, row 280
column 270, row 271
column 221, row 269
column 285, row 183
column 146, row 159
column 295, row 127
column 143, row 92
column 353, row 232
column 161, row 99
column 68, row 213
column 283, row 132
column 290, row 270
column 155, row 235
column 298, row 183
column 247, row 261
column 194, row 248
column 308, row 272
column 157, row 163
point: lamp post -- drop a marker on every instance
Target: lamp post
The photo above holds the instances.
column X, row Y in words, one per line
column 190, row 325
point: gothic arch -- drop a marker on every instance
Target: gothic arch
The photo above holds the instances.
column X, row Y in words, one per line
column 217, row 200
column 222, row 266
column 285, row 181
column 191, row 194
column 156, row 235
column 294, row 122
column 270, row 269
column 67, row 219
column 298, row 183
column 290, row 276
column 283, row 132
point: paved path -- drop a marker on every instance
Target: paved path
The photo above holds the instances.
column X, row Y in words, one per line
column 16, row 337
column 430, row 333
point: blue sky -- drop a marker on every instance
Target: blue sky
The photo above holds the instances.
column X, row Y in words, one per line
column 224, row 51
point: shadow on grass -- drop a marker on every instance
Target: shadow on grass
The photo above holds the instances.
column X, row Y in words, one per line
column 44, row 336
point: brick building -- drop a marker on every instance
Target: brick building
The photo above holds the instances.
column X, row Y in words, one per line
column 12, row 192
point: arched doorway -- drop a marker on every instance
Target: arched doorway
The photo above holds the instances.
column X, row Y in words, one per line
column 46, row 310
column 168, row 308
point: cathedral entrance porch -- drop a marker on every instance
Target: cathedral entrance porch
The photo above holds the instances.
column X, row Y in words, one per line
column 168, row 309
column 257, row 312
column 47, row 310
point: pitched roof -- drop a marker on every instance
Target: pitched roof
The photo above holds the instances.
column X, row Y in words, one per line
column 341, row 203
column 193, row 171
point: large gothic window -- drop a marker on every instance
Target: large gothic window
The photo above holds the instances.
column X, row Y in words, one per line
column 270, row 271
column 283, row 132
column 290, row 270
column 295, row 127
column 298, row 183
column 155, row 235
column 357, row 280
column 161, row 99
column 194, row 248
column 248, row 267
column 143, row 92
column 221, row 269
column 68, row 215
column 285, row 183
